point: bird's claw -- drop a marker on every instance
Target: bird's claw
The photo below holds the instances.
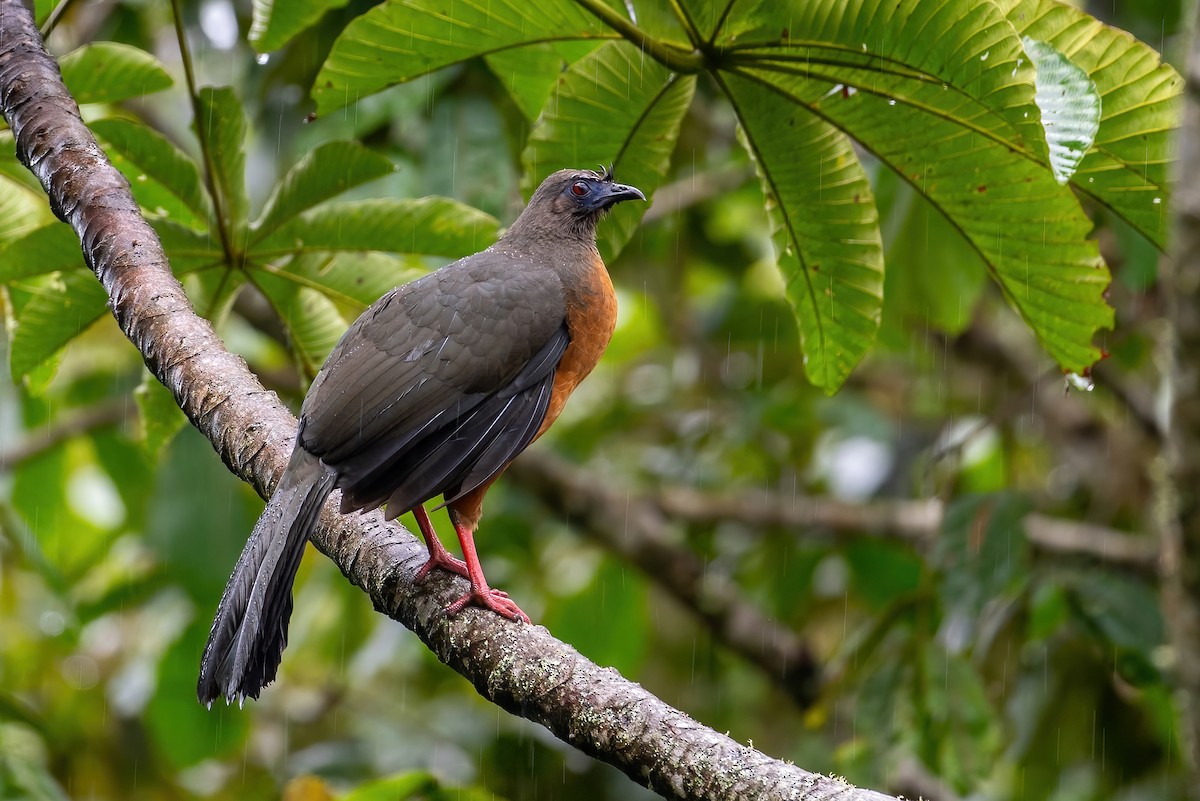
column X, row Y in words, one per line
column 445, row 561
column 495, row 600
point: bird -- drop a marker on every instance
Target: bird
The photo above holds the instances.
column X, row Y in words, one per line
column 432, row 391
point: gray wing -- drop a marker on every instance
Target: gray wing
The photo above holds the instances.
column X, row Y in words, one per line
column 439, row 383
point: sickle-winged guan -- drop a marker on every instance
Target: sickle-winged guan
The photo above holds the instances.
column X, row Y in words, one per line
column 432, row 391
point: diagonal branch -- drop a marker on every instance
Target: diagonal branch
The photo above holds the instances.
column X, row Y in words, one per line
column 521, row 668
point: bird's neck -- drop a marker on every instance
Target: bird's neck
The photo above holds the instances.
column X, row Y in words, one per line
column 572, row 255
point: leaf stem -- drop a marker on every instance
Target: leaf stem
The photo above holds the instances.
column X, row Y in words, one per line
column 54, row 18
column 689, row 24
column 690, row 62
column 209, row 167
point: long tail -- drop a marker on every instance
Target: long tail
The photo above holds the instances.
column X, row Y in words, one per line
column 249, row 631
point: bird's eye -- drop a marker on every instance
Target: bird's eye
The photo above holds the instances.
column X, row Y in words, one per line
column 580, row 188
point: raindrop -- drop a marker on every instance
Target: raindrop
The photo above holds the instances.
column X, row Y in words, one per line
column 984, row 57
column 262, row 58
column 141, row 178
column 864, row 46
column 1084, row 383
column 892, row 102
column 1156, row 200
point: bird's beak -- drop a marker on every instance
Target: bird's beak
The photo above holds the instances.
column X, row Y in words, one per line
column 615, row 193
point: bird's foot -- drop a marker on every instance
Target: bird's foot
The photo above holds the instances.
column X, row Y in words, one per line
column 445, row 561
column 495, row 600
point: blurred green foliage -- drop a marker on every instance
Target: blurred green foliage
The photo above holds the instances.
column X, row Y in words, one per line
column 969, row 655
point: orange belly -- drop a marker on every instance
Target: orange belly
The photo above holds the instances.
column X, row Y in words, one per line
column 591, row 322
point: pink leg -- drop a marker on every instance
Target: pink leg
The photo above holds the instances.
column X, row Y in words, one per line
column 481, row 594
column 438, row 555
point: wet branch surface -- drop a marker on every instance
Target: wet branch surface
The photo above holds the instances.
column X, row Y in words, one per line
column 522, row 668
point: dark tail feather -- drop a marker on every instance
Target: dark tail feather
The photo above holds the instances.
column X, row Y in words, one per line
column 250, row 629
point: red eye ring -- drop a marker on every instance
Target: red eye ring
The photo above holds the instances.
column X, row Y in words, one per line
column 580, row 188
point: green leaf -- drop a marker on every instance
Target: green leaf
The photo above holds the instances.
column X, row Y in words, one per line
column 934, row 277
column 957, row 58
column 1127, row 167
column 352, row 280
column 159, row 417
column 187, row 248
column 24, row 773
column 274, row 24
column 213, row 292
column 614, row 106
column 222, row 124
column 398, row 41
column 981, row 551
column 401, row 787
column 14, row 170
column 1029, row 230
column 64, row 306
column 42, row 9
column 313, row 321
column 48, row 249
column 530, row 73
column 1070, row 107
column 825, row 224
column 156, row 158
column 433, row 226
column 326, row 171
column 21, row 212
column 1123, row 609
column 108, row 72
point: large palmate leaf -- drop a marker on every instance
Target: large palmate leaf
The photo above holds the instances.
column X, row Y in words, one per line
column 13, row 170
column 1126, row 169
column 530, row 73
column 276, row 22
column 614, row 106
column 432, row 225
column 958, row 58
column 158, row 161
column 1029, row 229
column 21, row 213
column 47, row 249
column 159, row 416
column 222, row 126
column 944, row 92
column 352, row 280
column 326, row 171
column 61, row 309
column 107, row 72
column 187, row 249
column 313, row 321
column 826, row 228
column 396, row 42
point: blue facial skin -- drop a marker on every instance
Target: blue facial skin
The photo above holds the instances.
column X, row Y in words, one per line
column 596, row 195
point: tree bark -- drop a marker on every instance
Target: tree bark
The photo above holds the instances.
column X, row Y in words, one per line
column 520, row 667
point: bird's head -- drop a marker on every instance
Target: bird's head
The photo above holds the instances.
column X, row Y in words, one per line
column 571, row 202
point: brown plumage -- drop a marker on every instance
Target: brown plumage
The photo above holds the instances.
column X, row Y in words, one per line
column 432, row 391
